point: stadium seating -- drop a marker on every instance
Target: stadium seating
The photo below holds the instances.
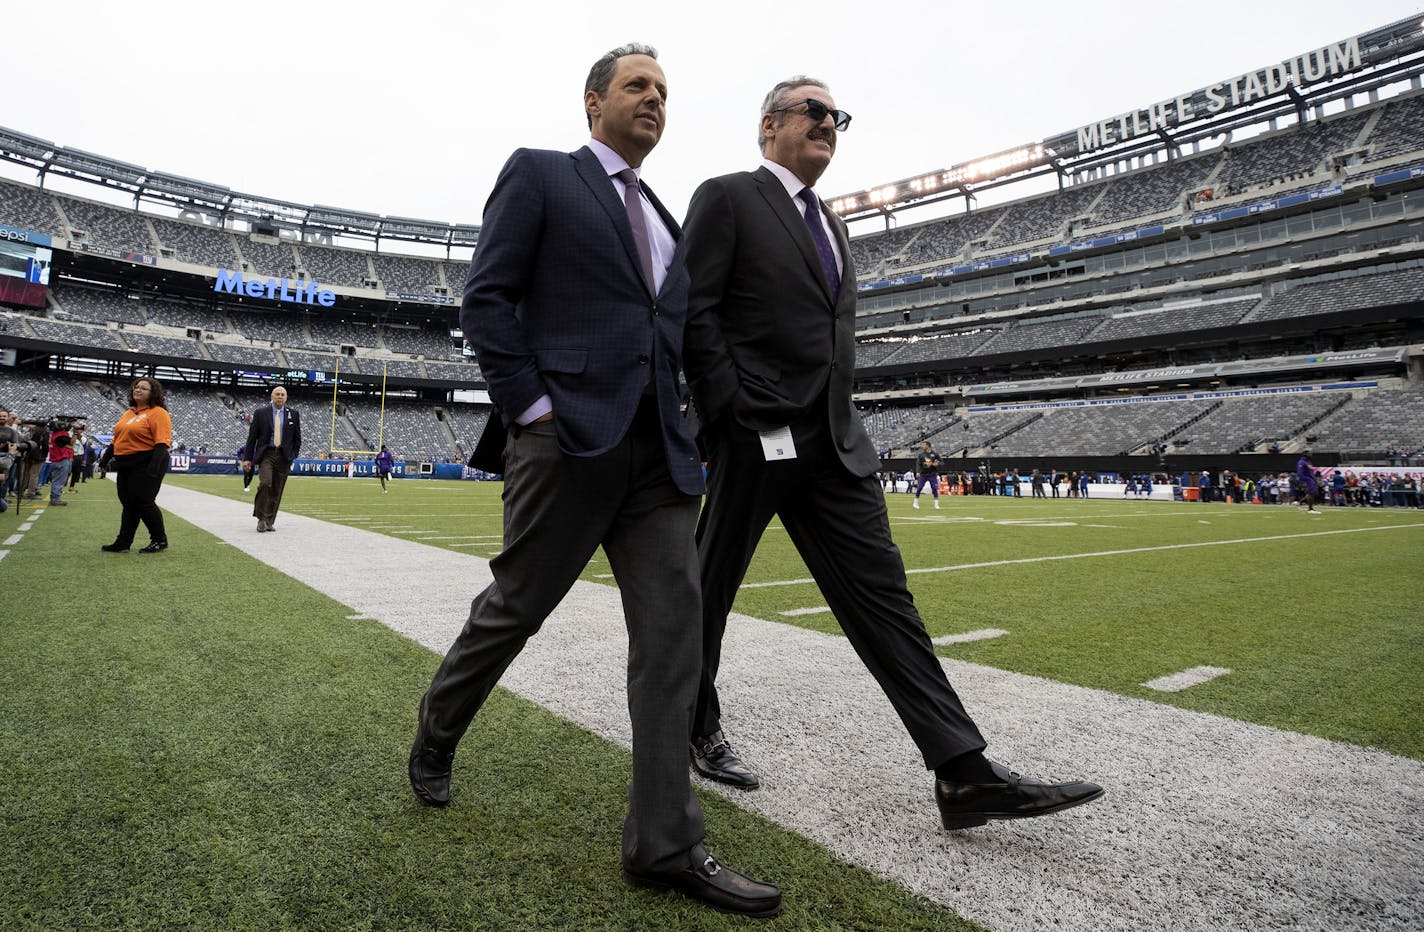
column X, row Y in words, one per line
column 1375, row 422
column 42, row 396
column 179, row 314
column 347, row 267
column 454, row 372
column 80, row 334
column 903, row 428
column 269, row 260
column 258, row 357
column 97, row 307
column 126, row 230
column 1129, row 324
column 195, row 243
column 406, row 274
column 428, row 343
column 28, row 208
column 328, row 331
column 1033, row 336
column 1106, row 429
column 157, row 345
column 273, row 327
column 1397, row 131
column 1242, row 423
column 939, row 346
column 1343, row 294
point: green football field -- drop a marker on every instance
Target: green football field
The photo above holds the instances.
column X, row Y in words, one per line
column 1317, row 618
column 193, row 740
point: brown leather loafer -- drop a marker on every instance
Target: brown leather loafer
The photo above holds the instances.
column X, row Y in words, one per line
column 707, row 881
column 714, row 758
column 964, row 805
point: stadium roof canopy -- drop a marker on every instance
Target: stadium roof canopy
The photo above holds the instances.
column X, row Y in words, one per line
column 191, row 194
column 1359, row 64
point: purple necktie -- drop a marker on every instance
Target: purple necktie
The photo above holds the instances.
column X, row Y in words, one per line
column 812, row 213
column 633, row 201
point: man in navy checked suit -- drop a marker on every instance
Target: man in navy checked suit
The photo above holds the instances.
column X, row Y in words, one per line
column 575, row 306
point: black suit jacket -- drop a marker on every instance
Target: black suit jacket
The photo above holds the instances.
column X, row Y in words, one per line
column 259, row 433
column 556, row 304
column 764, row 339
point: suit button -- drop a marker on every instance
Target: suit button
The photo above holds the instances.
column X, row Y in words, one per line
column 643, row 360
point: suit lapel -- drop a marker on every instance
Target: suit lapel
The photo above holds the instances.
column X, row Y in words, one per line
column 784, row 207
column 674, row 230
column 593, row 175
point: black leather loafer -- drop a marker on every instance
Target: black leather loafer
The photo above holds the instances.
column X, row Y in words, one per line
column 261, row 526
column 154, row 546
column 115, row 547
column 964, row 805
column 430, row 766
column 707, row 881
column 714, row 758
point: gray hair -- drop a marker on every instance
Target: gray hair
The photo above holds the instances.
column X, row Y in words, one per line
column 601, row 74
column 780, row 94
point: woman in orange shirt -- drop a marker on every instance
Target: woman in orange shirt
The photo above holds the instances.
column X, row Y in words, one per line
column 140, row 460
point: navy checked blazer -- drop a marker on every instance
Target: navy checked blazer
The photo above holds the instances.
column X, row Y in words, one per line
column 555, row 304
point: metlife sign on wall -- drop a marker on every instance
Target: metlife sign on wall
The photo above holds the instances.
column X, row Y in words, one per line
column 273, row 289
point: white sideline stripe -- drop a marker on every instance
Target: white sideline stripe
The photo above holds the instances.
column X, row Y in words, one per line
column 13, row 539
column 389, row 527
column 36, row 514
column 1186, row 838
column 792, row 613
column 358, row 617
column 26, row 526
column 1188, row 678
column 983, row 634
column 4, row 554
column 1104, row 553
column 467, row 537
column 602, row 575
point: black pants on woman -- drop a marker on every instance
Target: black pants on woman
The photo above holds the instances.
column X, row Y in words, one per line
column 138, row 493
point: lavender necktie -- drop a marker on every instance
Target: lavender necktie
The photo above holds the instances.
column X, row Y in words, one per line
column 633, row 202
column 812, row 213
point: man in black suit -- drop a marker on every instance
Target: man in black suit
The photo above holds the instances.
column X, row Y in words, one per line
column 273, row 440
column 770, row 357
column 575, row 305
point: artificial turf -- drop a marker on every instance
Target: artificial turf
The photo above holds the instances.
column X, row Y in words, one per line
column 193, row 740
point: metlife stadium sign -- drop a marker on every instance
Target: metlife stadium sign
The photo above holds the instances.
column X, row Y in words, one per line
column 273, row 289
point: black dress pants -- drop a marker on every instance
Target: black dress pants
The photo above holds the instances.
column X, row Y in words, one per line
column 839, row 525
column 557, row 510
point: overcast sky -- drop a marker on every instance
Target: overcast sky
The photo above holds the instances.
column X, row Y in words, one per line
column 410, row 109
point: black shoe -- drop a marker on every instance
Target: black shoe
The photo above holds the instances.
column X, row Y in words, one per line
column 262, row 526
column 154, row 546
column 719, row 887
column 963, row 805
column 713, row 757
column 115, row 547
column 429, row 766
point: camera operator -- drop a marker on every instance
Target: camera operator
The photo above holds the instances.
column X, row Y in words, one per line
column 7, row 457
column 61, row 460
column 34, row 447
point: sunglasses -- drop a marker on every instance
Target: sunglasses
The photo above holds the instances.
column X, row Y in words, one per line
column 818, row 111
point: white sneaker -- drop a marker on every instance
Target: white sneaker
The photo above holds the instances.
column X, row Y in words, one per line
column 916, row 502
column 936, row 504
column 1311, row 511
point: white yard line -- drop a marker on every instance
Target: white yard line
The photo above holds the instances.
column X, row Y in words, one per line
column 1208, row 822
column 815, row 610
column 1104, row 553
column 1194, row 676
column 983, row 634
